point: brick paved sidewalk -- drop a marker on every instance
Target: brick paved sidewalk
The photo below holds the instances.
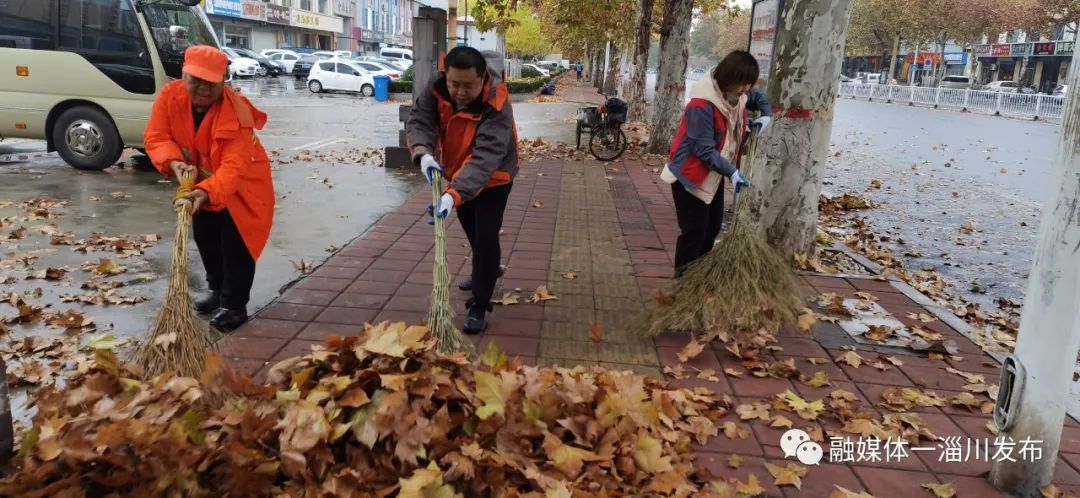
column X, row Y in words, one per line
column 614, row 227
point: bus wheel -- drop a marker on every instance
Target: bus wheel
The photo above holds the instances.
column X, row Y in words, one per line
column 86, row 139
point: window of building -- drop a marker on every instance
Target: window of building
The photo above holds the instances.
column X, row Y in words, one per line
column 324, row 6
column 305, row 4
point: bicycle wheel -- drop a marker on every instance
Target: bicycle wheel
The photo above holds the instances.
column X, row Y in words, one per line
column 607, row 143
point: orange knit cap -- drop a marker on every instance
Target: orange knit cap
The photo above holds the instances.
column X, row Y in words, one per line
column 206, row 63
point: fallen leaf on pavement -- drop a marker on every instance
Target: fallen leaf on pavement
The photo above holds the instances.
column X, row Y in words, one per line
column 852, row 358
column 752, row 487
column 807, row 319
column 541, row 294
column 818, row 361
column 1051, row 491
column 691, row 350
column 538, row 204
column 757, row 410
column 662, row 299
column 732, row 372
column 787, row 476
column 507, row 299
column 808, row 410
column 781, row 422
column 842, row 492
column 733, row 431
column 734, row 461
column 569, row 275
column 820, row 379
column 943, row 490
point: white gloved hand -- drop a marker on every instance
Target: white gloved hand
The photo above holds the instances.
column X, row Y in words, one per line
column 761, row 122
column 429, row 166
column 446, row 205
column 738, row 181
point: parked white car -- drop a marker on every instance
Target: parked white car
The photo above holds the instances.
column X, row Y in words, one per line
column 376, row 69
column 342, row 76
column 960, row 82
column 272, row 51
column 401, row 55
column 539, row 69
column 1002, row 86
column 286, row 59
column 393, row 65
column 325, row 54
column 244, row 66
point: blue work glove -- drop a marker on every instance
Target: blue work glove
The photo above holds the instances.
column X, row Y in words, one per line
column 738, row 181
column 446, row 204
column 429, row 165
column 761, row 123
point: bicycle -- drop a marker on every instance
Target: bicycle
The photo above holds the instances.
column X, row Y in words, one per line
column 604, row 124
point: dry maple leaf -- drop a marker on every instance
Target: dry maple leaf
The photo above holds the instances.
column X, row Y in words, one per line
column 756, row 410
column 752, row 487
column 691, row 350
column 817, row 361
column 541, row 294
column 733, row 431
column 820, row 379
column 732, row 372
column 569, row 275
column 507, row 299
column 538, row 204
column 943, row 490
column 852, row 358
column 649, row 455
column 734, row 461
column 806, row 409
column 781, row 422
column 596, row 333
column 786, row 476
column 842, row 492
column 1051, row 491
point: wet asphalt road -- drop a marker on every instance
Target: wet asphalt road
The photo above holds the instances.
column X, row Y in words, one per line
column 940, row 170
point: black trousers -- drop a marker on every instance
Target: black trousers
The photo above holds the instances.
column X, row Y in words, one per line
column 230, row 268
column 481, row 219
column 699, row 224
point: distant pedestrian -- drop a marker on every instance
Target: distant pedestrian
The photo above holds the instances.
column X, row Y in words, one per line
column 465, row 119
column 579, row 68
column 707, row 149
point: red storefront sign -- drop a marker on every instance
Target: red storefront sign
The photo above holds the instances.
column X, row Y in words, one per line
column 1000, row 50
column 924, row 57
column 1046, row 48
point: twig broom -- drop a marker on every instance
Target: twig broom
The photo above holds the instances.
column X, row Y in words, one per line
column 739, row 288
column 441, row 316
column 179, row 340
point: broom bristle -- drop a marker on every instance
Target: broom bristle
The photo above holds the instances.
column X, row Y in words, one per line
column 441, row 316
column 179, row 341
column 734, row 292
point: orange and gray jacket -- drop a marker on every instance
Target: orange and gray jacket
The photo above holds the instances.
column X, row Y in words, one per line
column 476, row 145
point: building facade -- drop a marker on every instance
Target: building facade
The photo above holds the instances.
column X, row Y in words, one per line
column 1040, row 64
column 384, row 23
column 261, row 25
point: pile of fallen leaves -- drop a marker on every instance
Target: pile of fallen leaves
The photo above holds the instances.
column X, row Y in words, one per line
column 534, row 150
column 369, row 415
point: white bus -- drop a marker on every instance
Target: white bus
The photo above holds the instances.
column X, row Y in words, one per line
column 83, row 74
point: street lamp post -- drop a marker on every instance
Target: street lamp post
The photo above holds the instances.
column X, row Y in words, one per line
column 1049, row 335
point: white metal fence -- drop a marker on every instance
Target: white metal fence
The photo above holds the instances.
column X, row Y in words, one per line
column 1030, row 106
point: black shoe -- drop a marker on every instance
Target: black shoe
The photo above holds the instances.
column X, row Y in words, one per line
column 229, row 320
column 474, row 322
column 209, row 303
column 466, row 285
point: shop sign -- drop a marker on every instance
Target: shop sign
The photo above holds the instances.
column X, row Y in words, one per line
column 370, row 36
column 1064, row 48
column 345, row 8
column 956, row 58
column 1000, row 50
column 764, row 24
column 226, row 8
column 253, row 9
column 1044, row 48
column 980, row 51
column 302, row 19
column 277, row 14
column 932, row 58
column 1020, row 49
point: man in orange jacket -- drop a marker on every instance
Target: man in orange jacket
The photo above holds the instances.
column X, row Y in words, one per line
column 466, row 120
column 201, row 126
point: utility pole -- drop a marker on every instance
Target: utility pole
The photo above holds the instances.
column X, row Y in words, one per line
column 803, row 81
column 1050, row 321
